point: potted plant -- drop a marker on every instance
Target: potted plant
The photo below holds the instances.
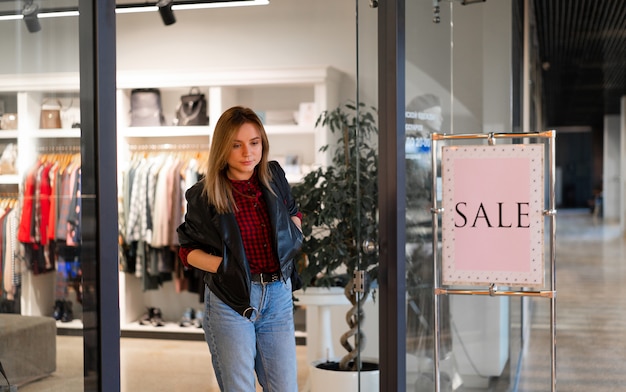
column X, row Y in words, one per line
column 339, row 203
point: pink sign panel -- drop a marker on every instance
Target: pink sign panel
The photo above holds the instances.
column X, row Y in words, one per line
column 492, row 221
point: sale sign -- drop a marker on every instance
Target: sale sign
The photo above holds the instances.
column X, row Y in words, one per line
column 492, row 221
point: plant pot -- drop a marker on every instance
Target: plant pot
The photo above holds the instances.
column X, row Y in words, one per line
column 325, row 376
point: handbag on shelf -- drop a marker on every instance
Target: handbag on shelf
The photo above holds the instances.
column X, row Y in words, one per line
column 8, row 121
column 145, row 108
column 50, row 117
column 192, row 109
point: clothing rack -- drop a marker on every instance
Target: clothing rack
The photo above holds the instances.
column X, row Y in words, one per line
column 9, row 199
column 169, row 147
column 58, row 149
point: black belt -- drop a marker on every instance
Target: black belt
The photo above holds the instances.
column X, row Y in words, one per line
column 266, row 277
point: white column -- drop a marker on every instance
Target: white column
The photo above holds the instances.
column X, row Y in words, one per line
column 623, row 164
column 611, row 188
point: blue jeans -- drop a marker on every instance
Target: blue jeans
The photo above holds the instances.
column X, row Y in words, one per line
column 264, row 344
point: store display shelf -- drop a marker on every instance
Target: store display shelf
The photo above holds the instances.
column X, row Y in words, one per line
column 54, row 133
column 169, row 330
column 10, row 179
column 287, row 101
column 166, row 327
column 288, row 129
column 8, row 134
column 300, row 337
column 71, row 328
column 144, row 132
column 74, row 324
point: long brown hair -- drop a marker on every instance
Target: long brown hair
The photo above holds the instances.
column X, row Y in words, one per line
column 217, row 186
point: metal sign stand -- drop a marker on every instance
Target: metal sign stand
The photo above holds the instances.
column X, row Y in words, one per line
column 437, row 210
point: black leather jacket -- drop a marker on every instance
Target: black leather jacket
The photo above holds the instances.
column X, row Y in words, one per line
column 218, row 234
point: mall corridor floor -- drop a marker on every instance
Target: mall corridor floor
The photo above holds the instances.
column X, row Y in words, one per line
column 590, row 311
column 591, row 330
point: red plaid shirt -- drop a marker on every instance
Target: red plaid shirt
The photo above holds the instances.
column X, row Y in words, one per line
column 254, row 225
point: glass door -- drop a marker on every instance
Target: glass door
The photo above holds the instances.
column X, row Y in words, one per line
column 366, row 162
column 54, row 254
column 42, row 303
column 457, row 69
column 459, row 73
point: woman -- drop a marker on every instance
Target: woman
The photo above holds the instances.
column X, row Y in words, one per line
column 242, row 227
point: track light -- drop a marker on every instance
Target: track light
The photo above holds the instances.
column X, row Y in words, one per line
column 437, row 8
column 165, row 9
column 29, row 12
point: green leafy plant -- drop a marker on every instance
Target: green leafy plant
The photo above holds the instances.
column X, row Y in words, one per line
column 339, row 203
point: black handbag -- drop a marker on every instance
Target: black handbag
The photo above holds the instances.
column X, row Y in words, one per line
column 192, row 109
column 145, row 108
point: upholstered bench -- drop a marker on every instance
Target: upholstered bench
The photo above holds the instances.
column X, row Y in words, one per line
column 27, row 347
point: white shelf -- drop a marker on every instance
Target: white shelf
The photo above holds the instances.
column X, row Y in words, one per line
column 10, row 179
column 170, row 327
column 75, row 324
column 62, row 81
column 8, row 134
column 165, row 131
column 54, row 133
column 229, row 77
column 289, row 129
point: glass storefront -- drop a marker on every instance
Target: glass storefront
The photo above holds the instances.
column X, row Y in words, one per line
column 59, row 239
column 461, row 63
column 60, row 183
column 42, row 259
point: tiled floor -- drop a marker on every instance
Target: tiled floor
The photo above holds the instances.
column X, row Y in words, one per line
column 146, row 365
column 590, row 312
column 591, row 330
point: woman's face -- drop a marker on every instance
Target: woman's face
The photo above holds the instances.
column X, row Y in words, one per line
column 245, row 152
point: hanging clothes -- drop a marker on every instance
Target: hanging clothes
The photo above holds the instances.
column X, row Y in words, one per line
column 10, row 266
column 152, row 206
column 50, row 210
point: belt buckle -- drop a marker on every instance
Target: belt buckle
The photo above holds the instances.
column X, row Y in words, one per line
column 269, row 280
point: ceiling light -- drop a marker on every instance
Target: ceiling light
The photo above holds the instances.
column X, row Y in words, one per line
column 57, row 14
column 218, row 4
column 188, row 5
column 128, row 8
column 165, row 9
column 437, row 8
column 29, row 12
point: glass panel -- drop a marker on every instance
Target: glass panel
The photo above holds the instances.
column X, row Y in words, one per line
column 458, row 80
column 41, row 329
column 366, row 202
column 428, row 92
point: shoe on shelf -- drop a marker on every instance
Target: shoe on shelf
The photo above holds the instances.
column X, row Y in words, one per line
column 157, row 318
column 68, row 314
column 147, row 317
column 153, row 317
column 59, row 306
column 197, row 321
column 188, row 318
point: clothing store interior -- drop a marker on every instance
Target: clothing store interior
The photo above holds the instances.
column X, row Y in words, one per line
column 426, row 265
